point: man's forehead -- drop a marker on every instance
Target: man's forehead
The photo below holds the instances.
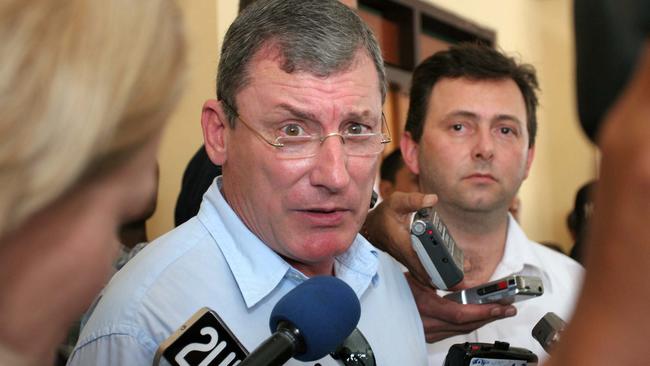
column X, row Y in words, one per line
column 306, row 114
column 359, row 81
column 478, row 98
column 465, row 84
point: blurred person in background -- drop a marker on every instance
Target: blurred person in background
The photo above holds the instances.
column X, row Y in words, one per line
column 579, row 218
column 133, row 238
column 199, row 174
column 610, row 326
column 86, row 87
column 396, row 176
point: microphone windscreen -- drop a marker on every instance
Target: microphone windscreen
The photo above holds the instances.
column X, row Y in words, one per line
column 325, row 310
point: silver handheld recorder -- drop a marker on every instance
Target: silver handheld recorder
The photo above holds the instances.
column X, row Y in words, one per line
column 436, row 249
column 506, row 290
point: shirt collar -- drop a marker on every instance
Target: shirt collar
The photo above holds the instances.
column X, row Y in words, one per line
column 358, row 266
column 257, row 269
column 518, row 256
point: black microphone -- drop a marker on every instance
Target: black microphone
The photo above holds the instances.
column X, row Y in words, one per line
column 309, row 322
column 355, row 351
column 204, row 339
column 548, row 329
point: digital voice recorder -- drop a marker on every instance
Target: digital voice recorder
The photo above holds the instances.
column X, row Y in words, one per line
column 506, row 290
column 436, row 249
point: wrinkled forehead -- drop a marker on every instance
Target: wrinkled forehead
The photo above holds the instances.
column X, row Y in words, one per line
column 353, row 89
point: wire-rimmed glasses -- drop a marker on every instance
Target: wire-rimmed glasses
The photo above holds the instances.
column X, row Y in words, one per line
column 305, row 146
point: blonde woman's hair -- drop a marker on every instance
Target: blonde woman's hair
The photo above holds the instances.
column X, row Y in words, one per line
column 83, row 84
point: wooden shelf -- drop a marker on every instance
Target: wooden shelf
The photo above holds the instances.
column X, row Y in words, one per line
column 392, row 24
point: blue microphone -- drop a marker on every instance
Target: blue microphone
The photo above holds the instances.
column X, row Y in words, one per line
column 309, row 322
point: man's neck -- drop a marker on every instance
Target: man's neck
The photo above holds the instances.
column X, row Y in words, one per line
column 481, row 236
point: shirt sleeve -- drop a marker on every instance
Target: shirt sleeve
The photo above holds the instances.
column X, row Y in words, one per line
column 113, row 349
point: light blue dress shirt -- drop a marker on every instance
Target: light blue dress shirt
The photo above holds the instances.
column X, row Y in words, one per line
column 213, row 260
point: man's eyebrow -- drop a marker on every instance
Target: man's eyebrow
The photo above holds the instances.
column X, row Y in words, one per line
column 300, row 114
column 462, row 113
column 474, row 116
column 309, row 116
column 364, row 115
column 507, row 117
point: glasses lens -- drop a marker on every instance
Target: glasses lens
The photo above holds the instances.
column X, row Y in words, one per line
column 295, row 147
column 298, row 146
column 363, row 145
column 355, row 351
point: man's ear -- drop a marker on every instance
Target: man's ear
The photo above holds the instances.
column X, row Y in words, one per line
column 410, row 152
column 529, row 160
column 214, row 124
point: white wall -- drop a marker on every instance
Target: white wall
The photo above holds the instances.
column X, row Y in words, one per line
column 205, row 23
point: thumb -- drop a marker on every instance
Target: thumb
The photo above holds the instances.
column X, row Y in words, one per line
column 405, row 203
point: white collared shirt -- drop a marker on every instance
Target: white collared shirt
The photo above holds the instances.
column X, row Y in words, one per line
column 562, row 277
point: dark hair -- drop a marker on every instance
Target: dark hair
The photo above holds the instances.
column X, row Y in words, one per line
column 579, row 218
column 321, row 37
column 473, row 61
column 244, row 3
column 390, row 165
column 197, row 178
column 582, row 209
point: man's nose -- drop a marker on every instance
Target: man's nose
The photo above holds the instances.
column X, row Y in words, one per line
column 331, row 165
column 484, row 145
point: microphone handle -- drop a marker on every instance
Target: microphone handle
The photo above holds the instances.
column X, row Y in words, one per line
column 274, row 351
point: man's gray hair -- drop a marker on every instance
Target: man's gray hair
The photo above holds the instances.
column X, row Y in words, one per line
column 321, row 37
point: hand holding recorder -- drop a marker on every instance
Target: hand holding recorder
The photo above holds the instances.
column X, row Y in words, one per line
column 436, row 249
column 443, row 318
column 443, row 261
column 505, row 290
column 387, row 227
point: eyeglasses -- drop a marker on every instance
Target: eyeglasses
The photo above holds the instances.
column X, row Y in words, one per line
column 354, row 142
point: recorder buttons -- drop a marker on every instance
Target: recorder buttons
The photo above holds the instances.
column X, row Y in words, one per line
column 492, row 288
column 418, row 227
